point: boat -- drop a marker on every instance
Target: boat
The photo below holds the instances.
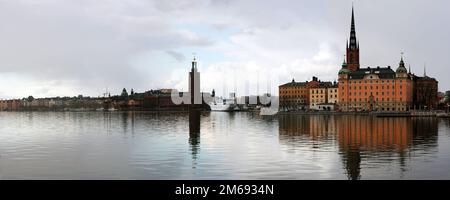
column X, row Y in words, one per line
column 224, row 104
column 220, row 104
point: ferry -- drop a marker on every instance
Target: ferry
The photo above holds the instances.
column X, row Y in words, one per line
column 220, row 104
column 224, row 104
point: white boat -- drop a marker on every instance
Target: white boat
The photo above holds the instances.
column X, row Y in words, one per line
column 220, row 104
column 224, row 104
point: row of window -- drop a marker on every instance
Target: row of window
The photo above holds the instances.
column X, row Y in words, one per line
column 295, row 96
column 322, row 91
column 371, row 93
column 371, row 87
column 371, row 81
column 291, row 91
column 366, row 99
column 303, row 91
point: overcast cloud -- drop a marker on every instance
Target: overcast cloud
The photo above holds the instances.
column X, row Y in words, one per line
column 63, row 47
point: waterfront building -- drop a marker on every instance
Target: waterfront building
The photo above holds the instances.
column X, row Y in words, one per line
column 295, row 95
column 372, row 89
column 10, row 105
column 3, row 105
column 375, row 89
column 159, row 100
column 425, row 92
column 333, row 94
column 323, row 96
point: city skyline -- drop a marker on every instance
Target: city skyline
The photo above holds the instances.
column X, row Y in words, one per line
column 119, row 45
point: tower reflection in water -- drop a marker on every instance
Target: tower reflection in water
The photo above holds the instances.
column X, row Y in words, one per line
column 361, row 138
column 194, row 132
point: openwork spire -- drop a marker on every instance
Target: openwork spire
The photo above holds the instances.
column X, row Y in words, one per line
column 353, row 43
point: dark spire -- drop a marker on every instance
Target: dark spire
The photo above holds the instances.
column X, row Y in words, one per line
column 402, row 64
column 353, row 43
column 344, row 64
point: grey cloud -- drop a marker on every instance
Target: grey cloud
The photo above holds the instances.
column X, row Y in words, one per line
column 86, row 43
column 177, row 55
column 93, row 43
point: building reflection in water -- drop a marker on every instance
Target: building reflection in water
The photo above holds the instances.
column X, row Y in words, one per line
column 194, row 132
column 361, row 138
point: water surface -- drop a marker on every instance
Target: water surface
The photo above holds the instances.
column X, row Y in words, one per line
column 219, row 145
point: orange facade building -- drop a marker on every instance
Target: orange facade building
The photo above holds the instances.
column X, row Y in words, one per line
column 372, row 89
column 296, row 95
column 375, row 89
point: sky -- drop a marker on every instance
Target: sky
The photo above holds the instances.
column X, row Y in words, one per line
column 70, row 47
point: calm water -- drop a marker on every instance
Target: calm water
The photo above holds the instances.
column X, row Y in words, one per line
column 139, row 145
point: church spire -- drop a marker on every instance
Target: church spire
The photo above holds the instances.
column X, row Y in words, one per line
column 353, row 47
column 353, row 42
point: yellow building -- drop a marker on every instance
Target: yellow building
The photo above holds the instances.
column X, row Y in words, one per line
column 323, row 96
column 333, row 94
column 317, row 96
